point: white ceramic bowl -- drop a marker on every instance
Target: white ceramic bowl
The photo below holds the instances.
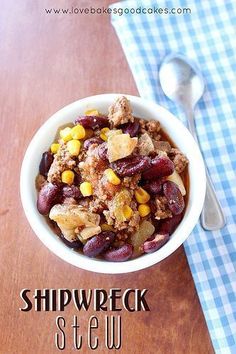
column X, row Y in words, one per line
column 141, row 108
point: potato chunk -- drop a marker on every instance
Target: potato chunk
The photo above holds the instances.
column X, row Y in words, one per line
column 114, row 132
column 175, row 177
column 88, row 232
column 145, row 144
column 121, row 199
column 119, row 146
column 70, row 217
column 145, row 231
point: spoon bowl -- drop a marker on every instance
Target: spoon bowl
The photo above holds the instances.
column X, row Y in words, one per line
column 181, row 80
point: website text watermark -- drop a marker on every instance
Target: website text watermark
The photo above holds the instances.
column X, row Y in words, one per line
column 118, row 11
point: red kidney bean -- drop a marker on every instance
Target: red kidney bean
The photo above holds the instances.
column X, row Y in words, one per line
column 71, row 192
column 155, row 186
column 155, row 243
column 73, row 244
column 45, row 163
column 174, row 197
column 161, row 166
column 48, row 196
column 98, row 243
column 168, row 226
column 102, row 151
column 92, row 122
column 120, row 254
column 94, row 140
column 131, row 128
column 131, row 165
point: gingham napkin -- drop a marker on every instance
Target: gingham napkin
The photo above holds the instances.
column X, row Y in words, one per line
column 207, row 36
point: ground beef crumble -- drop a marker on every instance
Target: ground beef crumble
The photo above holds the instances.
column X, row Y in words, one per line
column 132, row 182
column 162, row 146
column 62, row 161
column 82, row 155
column 97, row 206
column 151, row 127
column 179, row 159
column 92, row 170
column 162, row 211
column 92, row 167
column 129, row 226
column 120, row 112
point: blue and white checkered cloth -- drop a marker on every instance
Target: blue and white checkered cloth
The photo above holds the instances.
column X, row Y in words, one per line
column 208, row 36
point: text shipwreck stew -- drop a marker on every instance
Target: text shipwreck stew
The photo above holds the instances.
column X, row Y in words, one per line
column 76, row 329
column 112, row 185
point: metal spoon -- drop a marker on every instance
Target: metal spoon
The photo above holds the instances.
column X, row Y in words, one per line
column 183, row 83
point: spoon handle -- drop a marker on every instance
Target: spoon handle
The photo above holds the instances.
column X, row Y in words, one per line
column 212, row 217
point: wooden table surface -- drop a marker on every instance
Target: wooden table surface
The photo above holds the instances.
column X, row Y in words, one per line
column 46, row 62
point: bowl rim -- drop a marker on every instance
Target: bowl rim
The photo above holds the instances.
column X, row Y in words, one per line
column 93, row 264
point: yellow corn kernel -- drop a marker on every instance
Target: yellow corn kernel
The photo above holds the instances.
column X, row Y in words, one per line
column 54, row 148
column 65, row 134
column 86, row 189
column 112, row 177
column 106, row 227
column 141, row 195
column 88, row 133
column 127, row 212
column 67, row 177
column 73, row 147
column 103, row 134
column 78, row 132
column 144, row 210
column 92, row 112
